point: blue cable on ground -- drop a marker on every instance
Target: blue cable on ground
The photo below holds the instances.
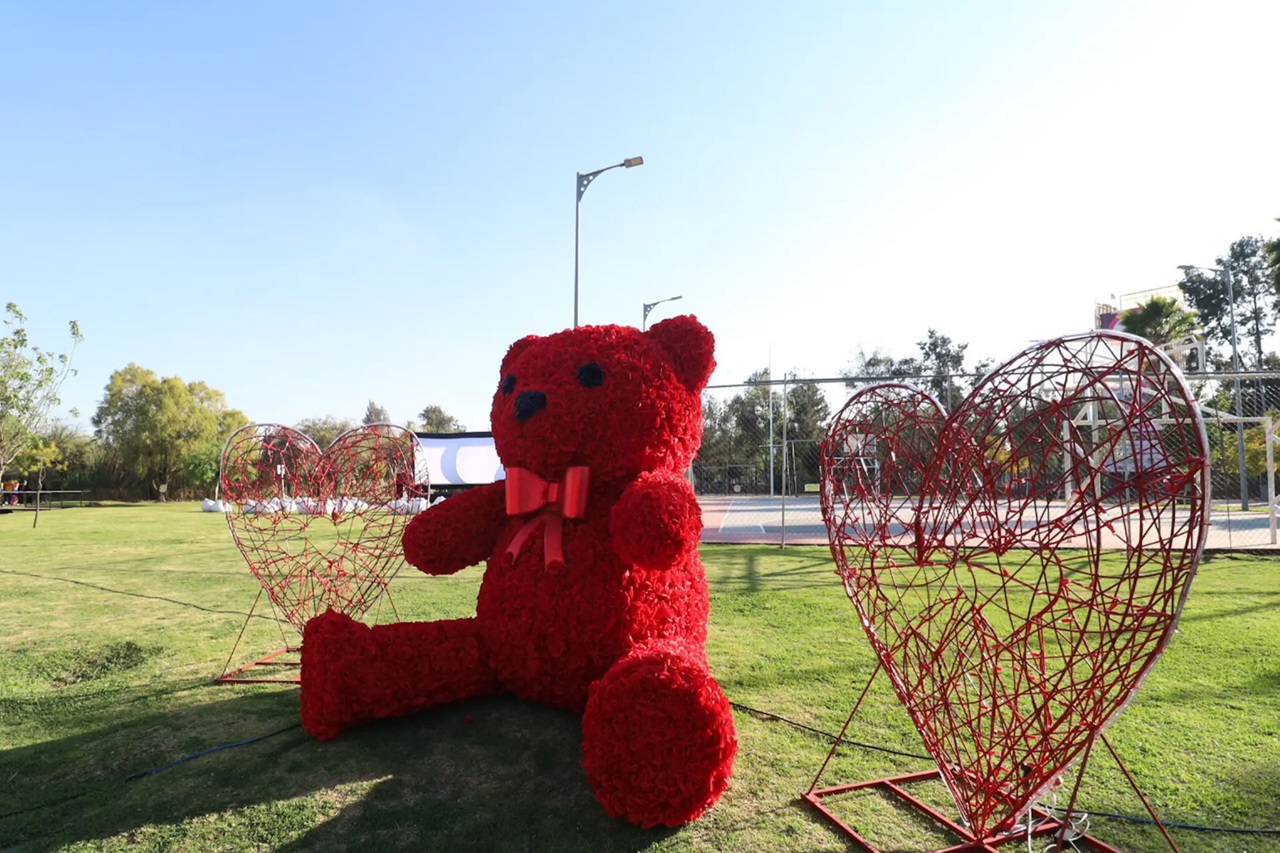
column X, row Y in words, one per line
column 178, row 761
column 1193, row 826
column 153, row 771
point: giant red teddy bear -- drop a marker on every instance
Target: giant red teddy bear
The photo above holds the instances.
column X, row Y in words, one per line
column 594, row 598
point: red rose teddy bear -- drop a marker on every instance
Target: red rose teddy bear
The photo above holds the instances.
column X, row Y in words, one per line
column 594, row 598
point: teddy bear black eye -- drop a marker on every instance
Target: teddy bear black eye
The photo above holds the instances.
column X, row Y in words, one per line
column 509, row 383
column 590, row 375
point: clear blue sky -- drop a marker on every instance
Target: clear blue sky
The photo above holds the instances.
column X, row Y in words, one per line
column 311, row 205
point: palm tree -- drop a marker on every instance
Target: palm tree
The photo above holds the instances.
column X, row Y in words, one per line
column 1161, row 320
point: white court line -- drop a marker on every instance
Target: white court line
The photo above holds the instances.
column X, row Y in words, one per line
column 725, row 520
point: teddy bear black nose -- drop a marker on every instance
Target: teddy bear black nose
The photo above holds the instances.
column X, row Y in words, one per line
column 528, row 403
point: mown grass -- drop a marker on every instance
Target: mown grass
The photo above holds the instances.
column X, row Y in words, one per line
column 115, row 619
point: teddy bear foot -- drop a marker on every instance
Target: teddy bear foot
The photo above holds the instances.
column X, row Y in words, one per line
column 658, row 739
column 334, row 647
column 352, row 673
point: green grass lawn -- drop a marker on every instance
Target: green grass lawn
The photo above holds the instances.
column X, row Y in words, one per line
column 114, row 620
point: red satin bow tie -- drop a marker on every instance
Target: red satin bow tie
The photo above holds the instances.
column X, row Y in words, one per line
column 552, row 501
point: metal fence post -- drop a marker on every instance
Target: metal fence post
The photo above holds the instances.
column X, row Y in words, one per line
column 1268, row 438
column 782, row 544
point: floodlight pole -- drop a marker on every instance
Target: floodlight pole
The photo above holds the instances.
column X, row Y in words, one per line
column 584, row 180
column 649, row 306
column 1225, row 274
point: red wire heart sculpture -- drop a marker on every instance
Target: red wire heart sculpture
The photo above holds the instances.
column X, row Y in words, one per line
column 319, row 530
column 1019, row 564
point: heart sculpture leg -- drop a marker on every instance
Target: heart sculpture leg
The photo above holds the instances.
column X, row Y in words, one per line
column 352, row 673
column 658, row 737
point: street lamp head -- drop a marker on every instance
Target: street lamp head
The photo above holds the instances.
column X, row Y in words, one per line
column 649, row 306
column 633, row 161
column 1187, row 267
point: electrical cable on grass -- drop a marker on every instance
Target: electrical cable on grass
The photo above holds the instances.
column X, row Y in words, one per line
column 49, row 804
column 735, row 705
column 134, row 594
column 756, row 712
column 1192, row 826
column 153, row 771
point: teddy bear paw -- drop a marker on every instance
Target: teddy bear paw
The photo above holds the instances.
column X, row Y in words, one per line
column 658, row 738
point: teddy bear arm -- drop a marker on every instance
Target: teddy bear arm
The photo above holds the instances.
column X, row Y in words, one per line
column 458, row 532
column 657, row 521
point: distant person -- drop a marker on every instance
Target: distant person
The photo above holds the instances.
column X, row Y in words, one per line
column 10, row 492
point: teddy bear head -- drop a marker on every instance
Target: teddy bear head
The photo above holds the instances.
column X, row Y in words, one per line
column 613, row 398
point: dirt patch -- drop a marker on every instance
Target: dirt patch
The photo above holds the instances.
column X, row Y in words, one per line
column 81, row 664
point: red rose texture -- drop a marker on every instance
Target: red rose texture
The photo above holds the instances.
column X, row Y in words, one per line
column 593, row 599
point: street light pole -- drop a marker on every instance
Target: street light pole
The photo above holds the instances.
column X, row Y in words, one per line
column 584, row 180
column 649, row 306
column 1235, row 367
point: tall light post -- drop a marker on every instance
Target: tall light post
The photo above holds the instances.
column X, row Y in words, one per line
column 649, row 306
column 1225, row 274
column 584, row 181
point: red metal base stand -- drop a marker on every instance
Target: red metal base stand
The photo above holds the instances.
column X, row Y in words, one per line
column 289, row 669
column 1045, row 824
column 287, row 661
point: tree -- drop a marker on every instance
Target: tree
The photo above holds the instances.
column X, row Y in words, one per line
column 155, row 424
column 40, row 456
column 1161, row 320
column 1256, row 299
column 323, row 430
column 435, row 419
column 807, row 412
column 200, row 467
column 942, row 363
column 940, row 369
column 877, row 367
column 1271, row 252
column 755, row 420
column 88, row 463
column 807, row 415
column 716, row 453
column 30, row 378
column 375, row 414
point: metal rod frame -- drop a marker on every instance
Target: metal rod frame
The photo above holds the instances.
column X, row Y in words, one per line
column 895, row 786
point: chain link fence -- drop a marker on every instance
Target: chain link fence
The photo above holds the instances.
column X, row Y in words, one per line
column 757, row 474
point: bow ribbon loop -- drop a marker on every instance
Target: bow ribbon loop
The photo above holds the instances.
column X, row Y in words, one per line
column 552, row 501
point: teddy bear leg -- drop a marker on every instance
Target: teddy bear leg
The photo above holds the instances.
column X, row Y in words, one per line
column 658, row 739
column 352, row 673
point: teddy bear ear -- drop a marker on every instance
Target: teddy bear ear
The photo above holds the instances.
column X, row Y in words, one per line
column 690, row 346
column 513, row 352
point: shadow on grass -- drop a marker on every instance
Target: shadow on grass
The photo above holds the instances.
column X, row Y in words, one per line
column 753, row 571
column 1271, row 604
column 494, row 774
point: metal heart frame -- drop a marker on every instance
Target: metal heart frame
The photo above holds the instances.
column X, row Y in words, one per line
column 1019, row 564
column 319, row 530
